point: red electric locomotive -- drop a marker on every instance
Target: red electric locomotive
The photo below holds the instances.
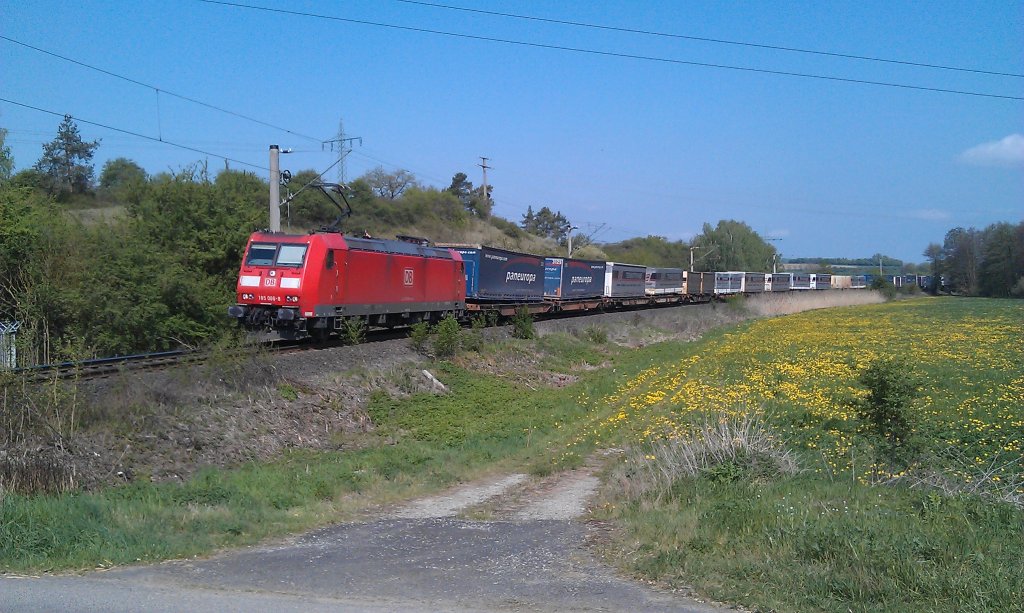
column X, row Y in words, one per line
column 308, row 285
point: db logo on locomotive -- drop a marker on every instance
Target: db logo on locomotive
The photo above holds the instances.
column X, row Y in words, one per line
column 407, row 277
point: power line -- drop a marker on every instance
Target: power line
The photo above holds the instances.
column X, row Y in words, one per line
column 159, row 90
column 136, row 134
column 596, row 52
column 720, row 41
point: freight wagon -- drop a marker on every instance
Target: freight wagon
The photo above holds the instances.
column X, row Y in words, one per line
column 499, row 275
column 700, row 283
column 665, row 281
column 569, row 279
column 754, row 283
column 624, row 280
column 801, row 281
column 729, row 282
column 781, row 281
column 842, row 282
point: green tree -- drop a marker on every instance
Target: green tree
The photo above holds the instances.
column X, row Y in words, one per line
column 650, row 251
column 1000, row 268
column 29, row 178
column 390, row 185
column 40, row 254
column 66, row 160
column 306, row 207
column 546, row 224
column 961, row 253
column 472, row 198
column 122, row 179
column 732, row 245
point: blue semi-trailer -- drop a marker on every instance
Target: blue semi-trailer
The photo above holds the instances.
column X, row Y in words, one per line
column 570, row 279
column 497, row 274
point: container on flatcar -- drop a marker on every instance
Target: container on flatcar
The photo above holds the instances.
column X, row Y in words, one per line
column 800, row 281
column 569, row 279
column 494, row 274
column 665, row 281
column 842, row 282
column 700, row 283
column 822, row 281
column 754, row 282
column 729, row 282
column 624, row 280
column 781, row 281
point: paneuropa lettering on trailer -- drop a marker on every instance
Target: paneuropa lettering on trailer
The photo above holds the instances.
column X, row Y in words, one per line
column 521, row 276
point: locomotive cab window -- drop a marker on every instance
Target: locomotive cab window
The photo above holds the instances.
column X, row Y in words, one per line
column 261, row 255
column 291, row 255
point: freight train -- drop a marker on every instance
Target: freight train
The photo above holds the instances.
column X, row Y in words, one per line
column 298, row 286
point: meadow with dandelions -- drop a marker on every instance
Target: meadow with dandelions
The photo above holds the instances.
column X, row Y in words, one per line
column 807, row 513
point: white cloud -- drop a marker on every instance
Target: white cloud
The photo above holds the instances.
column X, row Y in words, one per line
column 1006, row 152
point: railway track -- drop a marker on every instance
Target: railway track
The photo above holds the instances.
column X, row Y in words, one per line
column 96, row 368
column 104, row 367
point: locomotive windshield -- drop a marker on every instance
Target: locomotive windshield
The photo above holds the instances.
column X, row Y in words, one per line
column 261, row 255
column 265, row 254
column 291, row 255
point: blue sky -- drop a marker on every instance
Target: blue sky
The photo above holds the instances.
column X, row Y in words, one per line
column 635, row 147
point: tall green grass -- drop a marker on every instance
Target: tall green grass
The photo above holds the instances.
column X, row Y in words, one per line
column 809, row 544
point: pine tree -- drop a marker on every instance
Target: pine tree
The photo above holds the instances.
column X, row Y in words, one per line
column 66, row 160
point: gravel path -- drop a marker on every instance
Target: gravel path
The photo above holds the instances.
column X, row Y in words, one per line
column 531, row 556
column 452, row 503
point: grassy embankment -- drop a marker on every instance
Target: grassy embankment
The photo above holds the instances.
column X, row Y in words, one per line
column 825, row 538
column 422, row 443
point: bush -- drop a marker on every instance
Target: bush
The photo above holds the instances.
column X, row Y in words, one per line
column 354, row 331
column 446, row 340
column 474, row 339
column 885, row 411
column 722, row 449
column 883, row 285
column 419, row 333
column 522, row 323
column 491, row 318
column 737, row 302
column 596, row 334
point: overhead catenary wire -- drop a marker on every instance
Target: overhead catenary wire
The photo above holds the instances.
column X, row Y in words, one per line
column 136, row 134
column 160, row 90
column 720, row 41
column 600, row 53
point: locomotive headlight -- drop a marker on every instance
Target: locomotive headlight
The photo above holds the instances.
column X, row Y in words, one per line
column 292, row 298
